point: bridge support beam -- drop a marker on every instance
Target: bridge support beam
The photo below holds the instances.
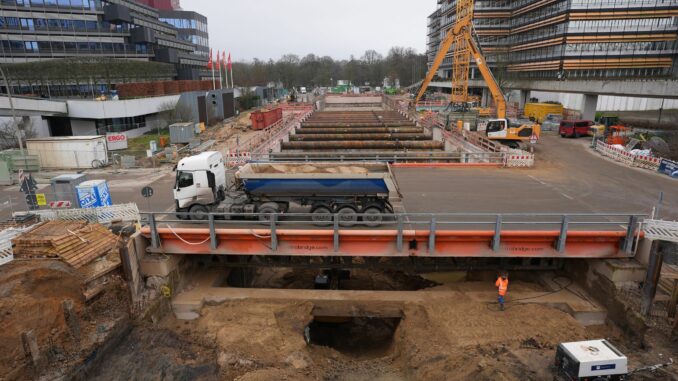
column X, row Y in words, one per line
column 589, row 105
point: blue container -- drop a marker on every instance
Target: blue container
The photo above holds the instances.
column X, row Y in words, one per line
column 312, row 187
column 93, row 194
column 669, row 168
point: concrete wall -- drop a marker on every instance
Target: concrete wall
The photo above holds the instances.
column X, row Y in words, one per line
column 87, row 109
column 32, row 105
column 40, row 126
column 607, row 103
column 190, row 102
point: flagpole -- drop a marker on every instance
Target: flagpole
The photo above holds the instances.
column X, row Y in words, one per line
column 214, row 80
column 221, row 79
column 232, row 83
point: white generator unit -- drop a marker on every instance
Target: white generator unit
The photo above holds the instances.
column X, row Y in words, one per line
column 594, row 360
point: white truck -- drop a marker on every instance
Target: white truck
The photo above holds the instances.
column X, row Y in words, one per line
column 356, row 192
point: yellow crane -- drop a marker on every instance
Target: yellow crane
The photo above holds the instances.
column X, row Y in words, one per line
column 462, row 35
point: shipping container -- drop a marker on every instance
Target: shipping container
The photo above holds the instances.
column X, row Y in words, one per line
column 93, row 194
column 182, row 133
column 539, row 111
column 70, row 152
column 264, row 119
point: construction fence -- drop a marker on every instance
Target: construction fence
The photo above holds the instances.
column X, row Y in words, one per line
column 627, row 158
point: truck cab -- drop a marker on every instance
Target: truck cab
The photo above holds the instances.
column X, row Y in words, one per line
column 200, row 182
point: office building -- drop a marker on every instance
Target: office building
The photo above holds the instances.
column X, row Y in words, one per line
column 567, row 39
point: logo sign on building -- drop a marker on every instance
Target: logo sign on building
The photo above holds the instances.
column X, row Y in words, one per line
column 116, row 141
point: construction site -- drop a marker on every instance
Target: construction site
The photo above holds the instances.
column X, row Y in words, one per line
column 441, row 232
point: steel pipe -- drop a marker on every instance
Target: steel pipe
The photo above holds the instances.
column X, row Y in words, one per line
column 351, row 144
column 364, row 137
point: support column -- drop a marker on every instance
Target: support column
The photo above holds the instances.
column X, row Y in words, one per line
column 485, row 100
column 524, row 98
column 654, row 269
column 589, row 105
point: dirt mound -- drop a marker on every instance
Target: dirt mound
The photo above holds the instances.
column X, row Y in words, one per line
column 31, row 294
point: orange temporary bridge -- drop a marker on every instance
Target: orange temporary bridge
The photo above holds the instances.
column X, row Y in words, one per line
column 402, row 235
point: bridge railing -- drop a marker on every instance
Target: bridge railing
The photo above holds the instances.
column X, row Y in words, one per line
column 625, row 227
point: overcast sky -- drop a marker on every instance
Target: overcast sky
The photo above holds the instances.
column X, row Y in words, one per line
column 270, row 28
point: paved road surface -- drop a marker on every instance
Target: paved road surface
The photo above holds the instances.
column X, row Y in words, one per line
column 568, row 178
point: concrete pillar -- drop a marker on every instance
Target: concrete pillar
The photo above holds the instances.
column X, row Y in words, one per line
column 524, row 98
column 485, row 100
column 589, row 105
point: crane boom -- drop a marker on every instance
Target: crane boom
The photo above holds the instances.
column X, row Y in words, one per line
column 463, row 36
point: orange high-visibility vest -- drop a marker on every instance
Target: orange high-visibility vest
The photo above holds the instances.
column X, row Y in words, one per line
column 502, row 284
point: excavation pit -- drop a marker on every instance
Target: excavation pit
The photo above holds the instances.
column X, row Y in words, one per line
column 361, row 337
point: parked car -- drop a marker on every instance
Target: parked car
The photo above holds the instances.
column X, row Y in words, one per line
column 574, row 128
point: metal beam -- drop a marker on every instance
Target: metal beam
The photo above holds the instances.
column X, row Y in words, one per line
column 385, row 243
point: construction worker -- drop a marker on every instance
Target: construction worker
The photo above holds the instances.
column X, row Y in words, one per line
column 502, row 286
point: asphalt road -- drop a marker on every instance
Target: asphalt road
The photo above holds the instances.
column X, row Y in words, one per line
column 569, row 177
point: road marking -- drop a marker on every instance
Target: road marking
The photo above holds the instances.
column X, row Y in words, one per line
column 566, row 196
column 539, row 181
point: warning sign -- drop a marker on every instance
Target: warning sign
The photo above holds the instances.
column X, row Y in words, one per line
column 41, row 199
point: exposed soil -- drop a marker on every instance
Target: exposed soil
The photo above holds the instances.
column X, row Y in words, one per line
column 456, row 339
column 31, row 297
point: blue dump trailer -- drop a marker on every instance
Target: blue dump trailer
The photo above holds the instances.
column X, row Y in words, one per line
column 356, row 192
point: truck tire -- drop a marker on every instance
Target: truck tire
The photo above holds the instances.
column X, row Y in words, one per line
column 199, row 212
column 322, row 215
column 372, row 216
column 266, row 209
column 347, row 216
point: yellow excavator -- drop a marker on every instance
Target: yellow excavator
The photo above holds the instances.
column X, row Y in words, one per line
column 463, row 36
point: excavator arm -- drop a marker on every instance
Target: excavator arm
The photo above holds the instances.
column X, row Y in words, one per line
column 492, row 84
column 442, row 52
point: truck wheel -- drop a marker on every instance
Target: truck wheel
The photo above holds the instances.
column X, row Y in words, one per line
column 266, row 210
column 322, row 216
column 372, row 216
column 347, row 216
column 198, row 213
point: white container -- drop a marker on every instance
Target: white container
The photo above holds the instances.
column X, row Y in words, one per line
column 69, row 152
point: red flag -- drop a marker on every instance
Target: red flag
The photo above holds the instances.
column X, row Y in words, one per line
column 229, row 61
column 209, row 61
column 223, row 59
column 218, row 61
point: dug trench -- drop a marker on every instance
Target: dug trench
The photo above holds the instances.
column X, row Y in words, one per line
column 271, row 324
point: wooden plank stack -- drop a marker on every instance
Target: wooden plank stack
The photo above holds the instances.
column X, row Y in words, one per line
column 75, row 242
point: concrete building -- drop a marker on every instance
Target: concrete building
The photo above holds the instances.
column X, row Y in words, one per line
column 51, row 29
column 583, row 46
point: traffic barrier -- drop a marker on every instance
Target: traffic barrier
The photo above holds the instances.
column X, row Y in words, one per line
column 625, row 157
column 519, row 159
column 669, row 168
column 103, row 215
column 234, row 159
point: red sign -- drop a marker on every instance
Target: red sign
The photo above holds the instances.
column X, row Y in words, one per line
column 116, row 141
column 59, row 204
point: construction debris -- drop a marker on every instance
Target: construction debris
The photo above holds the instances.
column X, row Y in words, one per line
column 75, row 242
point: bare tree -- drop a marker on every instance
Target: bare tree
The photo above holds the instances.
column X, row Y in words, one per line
column 8, row 132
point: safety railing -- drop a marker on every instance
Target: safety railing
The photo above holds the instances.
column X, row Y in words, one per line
column 433, row 224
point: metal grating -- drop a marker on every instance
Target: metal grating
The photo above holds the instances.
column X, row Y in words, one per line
column 661, row 230
column 103, row 215
column 6, row 236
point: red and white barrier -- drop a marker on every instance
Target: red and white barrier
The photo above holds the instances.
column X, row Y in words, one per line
column 622, row 156
column 59, row 204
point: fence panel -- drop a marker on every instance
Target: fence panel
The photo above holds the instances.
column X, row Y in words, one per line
column 103, row 215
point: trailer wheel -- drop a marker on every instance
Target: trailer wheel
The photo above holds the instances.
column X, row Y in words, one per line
column 372, row 216
column 322, row 216
column 198, row 213
column 347, row 216
column 266, row 210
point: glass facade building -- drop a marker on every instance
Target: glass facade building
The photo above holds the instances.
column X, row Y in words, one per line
column 34, row 30
column 575, row 39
